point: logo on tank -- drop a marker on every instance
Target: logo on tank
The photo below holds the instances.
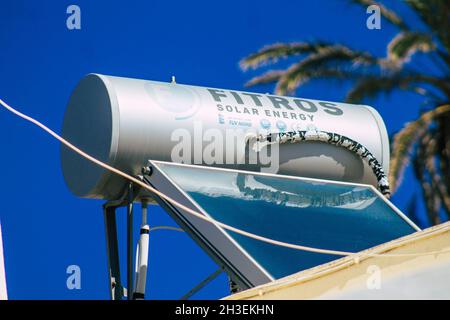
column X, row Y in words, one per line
column 281, row 125
column 265, row 124
column 178, row 100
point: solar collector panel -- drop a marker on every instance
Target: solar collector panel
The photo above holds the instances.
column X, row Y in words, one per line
column 310, row 212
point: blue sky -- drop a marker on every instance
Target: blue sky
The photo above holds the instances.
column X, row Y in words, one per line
column 45, row 227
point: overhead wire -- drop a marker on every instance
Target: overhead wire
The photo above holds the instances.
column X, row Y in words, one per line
column 191, row 211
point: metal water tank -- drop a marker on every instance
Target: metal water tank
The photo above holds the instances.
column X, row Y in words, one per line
column 125, row 122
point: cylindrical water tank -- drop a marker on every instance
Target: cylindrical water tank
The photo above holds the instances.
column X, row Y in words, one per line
column 126, row 122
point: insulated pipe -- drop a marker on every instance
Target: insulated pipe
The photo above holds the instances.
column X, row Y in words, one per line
column 142, row 256
column 337, row 140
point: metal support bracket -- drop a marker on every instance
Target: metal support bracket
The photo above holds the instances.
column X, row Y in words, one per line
column 117, row 290
column 115, row 285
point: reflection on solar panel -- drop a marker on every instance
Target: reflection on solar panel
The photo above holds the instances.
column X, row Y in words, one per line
column 310, row 212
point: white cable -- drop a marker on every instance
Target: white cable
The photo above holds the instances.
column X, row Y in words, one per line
column 189, row 210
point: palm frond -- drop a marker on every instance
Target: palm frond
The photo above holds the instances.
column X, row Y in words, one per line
column 436, row 15
column 370, row 86
column 272, row 53
column 405, row 44
column 431, row 151
column 292, row 79
column 404, row 141
column 338, row 53
column 432, row 202
column 267, row 77
column 444, row 147
column 386, row 13
column 324, row 63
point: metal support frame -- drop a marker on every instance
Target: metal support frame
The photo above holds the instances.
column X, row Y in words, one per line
column 117, row 291
column 234, row 287
column 115, row 285
column 202, row 284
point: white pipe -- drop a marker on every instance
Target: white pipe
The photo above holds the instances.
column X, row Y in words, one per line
column 142, row 256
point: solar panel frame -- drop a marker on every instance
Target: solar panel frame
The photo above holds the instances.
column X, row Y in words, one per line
column 219, row 245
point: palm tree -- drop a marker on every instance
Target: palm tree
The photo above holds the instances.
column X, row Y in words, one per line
column 424, row 142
